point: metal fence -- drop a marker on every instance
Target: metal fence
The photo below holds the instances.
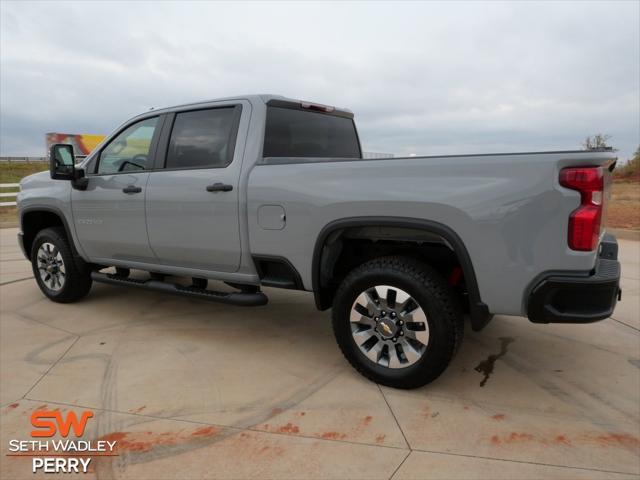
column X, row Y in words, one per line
column 3, row 195
column 23, row 159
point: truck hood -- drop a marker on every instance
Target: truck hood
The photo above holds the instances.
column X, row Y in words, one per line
column 35, row 180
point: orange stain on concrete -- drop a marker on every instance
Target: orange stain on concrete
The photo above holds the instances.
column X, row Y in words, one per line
column 499, row 417
column 616, row 439
column 333, row 436
column 143, row 442
column 205, row 432
column 289, row 428
column 519, row 437
column 621, row 440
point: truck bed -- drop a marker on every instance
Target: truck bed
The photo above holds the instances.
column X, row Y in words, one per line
column 509, row 209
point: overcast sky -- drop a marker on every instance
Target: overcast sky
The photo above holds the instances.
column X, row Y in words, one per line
column 427, row 78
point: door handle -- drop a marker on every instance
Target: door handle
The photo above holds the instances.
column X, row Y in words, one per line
column 219, row 187
column 131, row 189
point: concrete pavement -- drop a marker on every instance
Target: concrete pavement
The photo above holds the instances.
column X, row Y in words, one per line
column 192, row 389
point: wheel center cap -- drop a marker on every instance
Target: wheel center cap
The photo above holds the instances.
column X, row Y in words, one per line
column 386, row 328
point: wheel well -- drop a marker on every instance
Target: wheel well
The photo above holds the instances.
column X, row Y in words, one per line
column 33, row 222
column 344, row 245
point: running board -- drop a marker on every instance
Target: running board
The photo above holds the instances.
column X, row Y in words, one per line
column 242, row 299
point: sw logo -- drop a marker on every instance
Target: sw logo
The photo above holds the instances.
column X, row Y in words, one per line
column 51, row 455
column 44, row 421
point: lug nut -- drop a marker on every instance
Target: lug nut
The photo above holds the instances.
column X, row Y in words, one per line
column 383, row 313
column 394, row 339
column 393, row 314
column 401, row 323
column 401, row 332
column 377, row 319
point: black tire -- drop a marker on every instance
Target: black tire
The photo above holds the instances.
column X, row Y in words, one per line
column 77, row 280
column 439, row 303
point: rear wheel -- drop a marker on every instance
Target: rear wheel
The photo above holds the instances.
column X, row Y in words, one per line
column 397, row 322
column 55, row 269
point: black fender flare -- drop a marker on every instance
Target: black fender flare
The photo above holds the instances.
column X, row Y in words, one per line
column 58, row 213
column 479, row 311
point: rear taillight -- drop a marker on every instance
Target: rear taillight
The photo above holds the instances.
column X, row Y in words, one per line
column 585, row 221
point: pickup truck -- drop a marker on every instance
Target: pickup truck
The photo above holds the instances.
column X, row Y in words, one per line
column 263, row 190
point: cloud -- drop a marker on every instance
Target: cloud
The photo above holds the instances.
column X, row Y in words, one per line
column 427, row 78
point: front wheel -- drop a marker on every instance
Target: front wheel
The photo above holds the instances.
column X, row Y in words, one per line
column 397, row 322
column 55, row 269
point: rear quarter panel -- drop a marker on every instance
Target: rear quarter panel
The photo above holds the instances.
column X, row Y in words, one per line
column 509, row 210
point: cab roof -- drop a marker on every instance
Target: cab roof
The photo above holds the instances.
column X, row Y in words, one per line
column 262, row 97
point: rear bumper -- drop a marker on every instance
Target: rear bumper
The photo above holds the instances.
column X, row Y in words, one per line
column 561, row 298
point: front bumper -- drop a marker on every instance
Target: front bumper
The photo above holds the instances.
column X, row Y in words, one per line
column 561, row 298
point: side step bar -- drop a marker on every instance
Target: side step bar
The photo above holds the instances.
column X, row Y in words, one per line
column 242, row 299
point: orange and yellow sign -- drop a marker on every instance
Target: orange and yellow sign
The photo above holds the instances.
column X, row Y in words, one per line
column 83, row 143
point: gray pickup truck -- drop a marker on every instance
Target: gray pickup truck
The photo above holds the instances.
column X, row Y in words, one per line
column 262, row 190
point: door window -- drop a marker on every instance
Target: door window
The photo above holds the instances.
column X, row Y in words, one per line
column 202, row 139
column 129, row 151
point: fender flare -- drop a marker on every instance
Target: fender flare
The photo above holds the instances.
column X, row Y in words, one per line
column 479, row 311
column 57, row 212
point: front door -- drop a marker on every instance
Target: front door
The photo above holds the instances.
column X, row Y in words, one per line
column 109, row 215
column 192, row 198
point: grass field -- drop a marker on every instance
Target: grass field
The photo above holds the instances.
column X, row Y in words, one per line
column 623, row 210
column 13, row 172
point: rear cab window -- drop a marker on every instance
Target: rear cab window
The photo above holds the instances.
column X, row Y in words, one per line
column 299, row 132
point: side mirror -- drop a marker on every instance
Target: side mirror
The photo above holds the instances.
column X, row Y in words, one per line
column 62, row 166
column 61, row 162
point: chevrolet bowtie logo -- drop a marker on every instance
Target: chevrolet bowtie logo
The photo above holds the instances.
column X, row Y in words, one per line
column 386, row 328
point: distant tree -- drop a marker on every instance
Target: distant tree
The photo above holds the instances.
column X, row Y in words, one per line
column 631, row 169
column 596, row 142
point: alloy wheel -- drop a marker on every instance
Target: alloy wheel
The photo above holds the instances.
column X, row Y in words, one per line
column 51, row 266
column 389, row 326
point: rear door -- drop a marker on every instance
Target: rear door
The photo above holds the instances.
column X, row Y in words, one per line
column 109, row 215
column 192, row 197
